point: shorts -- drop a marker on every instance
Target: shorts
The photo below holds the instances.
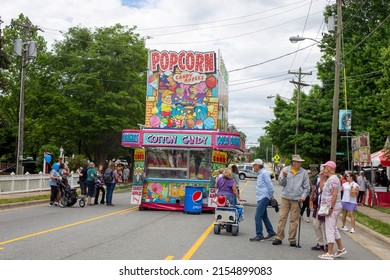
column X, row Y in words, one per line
column 348, row 206
column 91, row 188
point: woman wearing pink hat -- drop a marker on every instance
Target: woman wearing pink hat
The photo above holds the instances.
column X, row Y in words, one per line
column 332, row 197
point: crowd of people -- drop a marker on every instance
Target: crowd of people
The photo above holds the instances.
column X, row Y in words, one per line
column 94, row 182
column 328, row 195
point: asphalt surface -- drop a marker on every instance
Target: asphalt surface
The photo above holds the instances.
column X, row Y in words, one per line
column 371, row 240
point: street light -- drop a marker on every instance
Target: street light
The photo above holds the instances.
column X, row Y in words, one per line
column 273, row 96
column 296, row 39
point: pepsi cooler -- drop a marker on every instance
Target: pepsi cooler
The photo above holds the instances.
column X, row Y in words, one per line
column 193, row 199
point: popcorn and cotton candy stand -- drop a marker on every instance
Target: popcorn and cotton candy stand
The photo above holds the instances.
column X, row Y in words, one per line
column 184, row 140
column 168, row 163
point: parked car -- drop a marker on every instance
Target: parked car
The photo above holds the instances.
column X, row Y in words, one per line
column 246, row 171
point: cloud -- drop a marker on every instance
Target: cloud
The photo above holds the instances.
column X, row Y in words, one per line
column 246, row 32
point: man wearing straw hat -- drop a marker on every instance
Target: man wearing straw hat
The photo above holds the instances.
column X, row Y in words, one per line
column 296, row 187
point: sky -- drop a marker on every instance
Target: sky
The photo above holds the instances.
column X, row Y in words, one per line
column 251, row 35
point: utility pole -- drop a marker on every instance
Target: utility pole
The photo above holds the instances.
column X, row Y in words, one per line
column 335, row 116
column 298, row 84
column 26, row 50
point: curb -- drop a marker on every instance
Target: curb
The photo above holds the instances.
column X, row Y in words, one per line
column 22, row 204
column 373, row 233
column 42, row 201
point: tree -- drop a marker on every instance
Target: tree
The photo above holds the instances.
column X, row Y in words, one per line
column 80, row 95
column 4, row 62
column 9, row 98
column 102, row 78
column 365, row 60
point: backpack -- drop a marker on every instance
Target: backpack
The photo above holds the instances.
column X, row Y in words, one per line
column 108, row 175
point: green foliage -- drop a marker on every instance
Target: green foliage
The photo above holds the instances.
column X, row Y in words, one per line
column 54, row 152
column 374, row 224
column 76, row 162
column 4, row 62
column 366, row 62
column 80, row 95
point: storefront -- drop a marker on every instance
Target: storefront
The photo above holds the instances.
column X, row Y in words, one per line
column 184, row 140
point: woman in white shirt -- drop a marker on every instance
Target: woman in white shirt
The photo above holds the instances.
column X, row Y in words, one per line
column 349, row 201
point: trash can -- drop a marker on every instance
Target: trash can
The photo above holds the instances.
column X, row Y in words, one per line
column 193, row 199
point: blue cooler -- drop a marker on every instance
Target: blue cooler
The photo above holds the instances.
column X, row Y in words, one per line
column 193, row 199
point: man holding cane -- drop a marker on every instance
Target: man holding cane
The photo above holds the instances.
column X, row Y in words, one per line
column 296, row 187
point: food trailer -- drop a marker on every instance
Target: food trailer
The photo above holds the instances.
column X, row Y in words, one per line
column 184, row 141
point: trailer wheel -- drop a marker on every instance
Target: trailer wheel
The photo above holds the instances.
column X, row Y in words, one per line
column 228, row 228
column 235, row 230
column 217, row 228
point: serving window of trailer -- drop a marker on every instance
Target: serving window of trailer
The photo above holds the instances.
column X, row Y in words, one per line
column 194, row 164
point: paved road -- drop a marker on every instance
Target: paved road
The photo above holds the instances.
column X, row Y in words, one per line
column 122, row 232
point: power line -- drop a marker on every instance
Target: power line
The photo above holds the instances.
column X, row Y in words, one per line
column 269, row 60
column 225, row 25
column 227, row 38
column 217, row 21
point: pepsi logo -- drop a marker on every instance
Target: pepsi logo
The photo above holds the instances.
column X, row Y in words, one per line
column 197, row 196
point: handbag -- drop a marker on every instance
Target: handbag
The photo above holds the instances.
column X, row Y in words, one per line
column 324, row 210
column 353, row 192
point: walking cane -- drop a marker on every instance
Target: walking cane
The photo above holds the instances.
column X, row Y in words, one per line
column 299, row 224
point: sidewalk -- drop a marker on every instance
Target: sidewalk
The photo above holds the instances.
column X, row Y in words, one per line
column 370, row 239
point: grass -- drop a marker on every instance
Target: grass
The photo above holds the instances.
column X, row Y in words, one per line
column 383, row 209
column 24, row 199
column 46, row 196
column 374, row 224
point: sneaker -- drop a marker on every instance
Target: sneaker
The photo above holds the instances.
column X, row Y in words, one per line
column 340, row 253
column 276, row 242
column 270, row 237
column 293, row 244
column 51, row 204
column 256, row 238
column 352, row 230
column 307, row 220
column 344, row 228
column 55, row 204
column 326, row 256
column 318, row 247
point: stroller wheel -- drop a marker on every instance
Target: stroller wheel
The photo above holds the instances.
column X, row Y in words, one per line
column 63, row 202
column 82, row 202
column 217, row 228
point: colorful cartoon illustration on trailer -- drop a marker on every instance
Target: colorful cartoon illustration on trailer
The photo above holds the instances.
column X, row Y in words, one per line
column 182, row 90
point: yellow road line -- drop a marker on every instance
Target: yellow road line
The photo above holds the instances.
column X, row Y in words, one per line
column 169, row 258
column 201, row 239
column 69, row 225
column 199, row 242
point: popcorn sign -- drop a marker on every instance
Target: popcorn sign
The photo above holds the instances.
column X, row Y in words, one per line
column 202, row 62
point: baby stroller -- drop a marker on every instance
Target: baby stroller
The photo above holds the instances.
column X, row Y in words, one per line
column 227, row 217
column 69, row 195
